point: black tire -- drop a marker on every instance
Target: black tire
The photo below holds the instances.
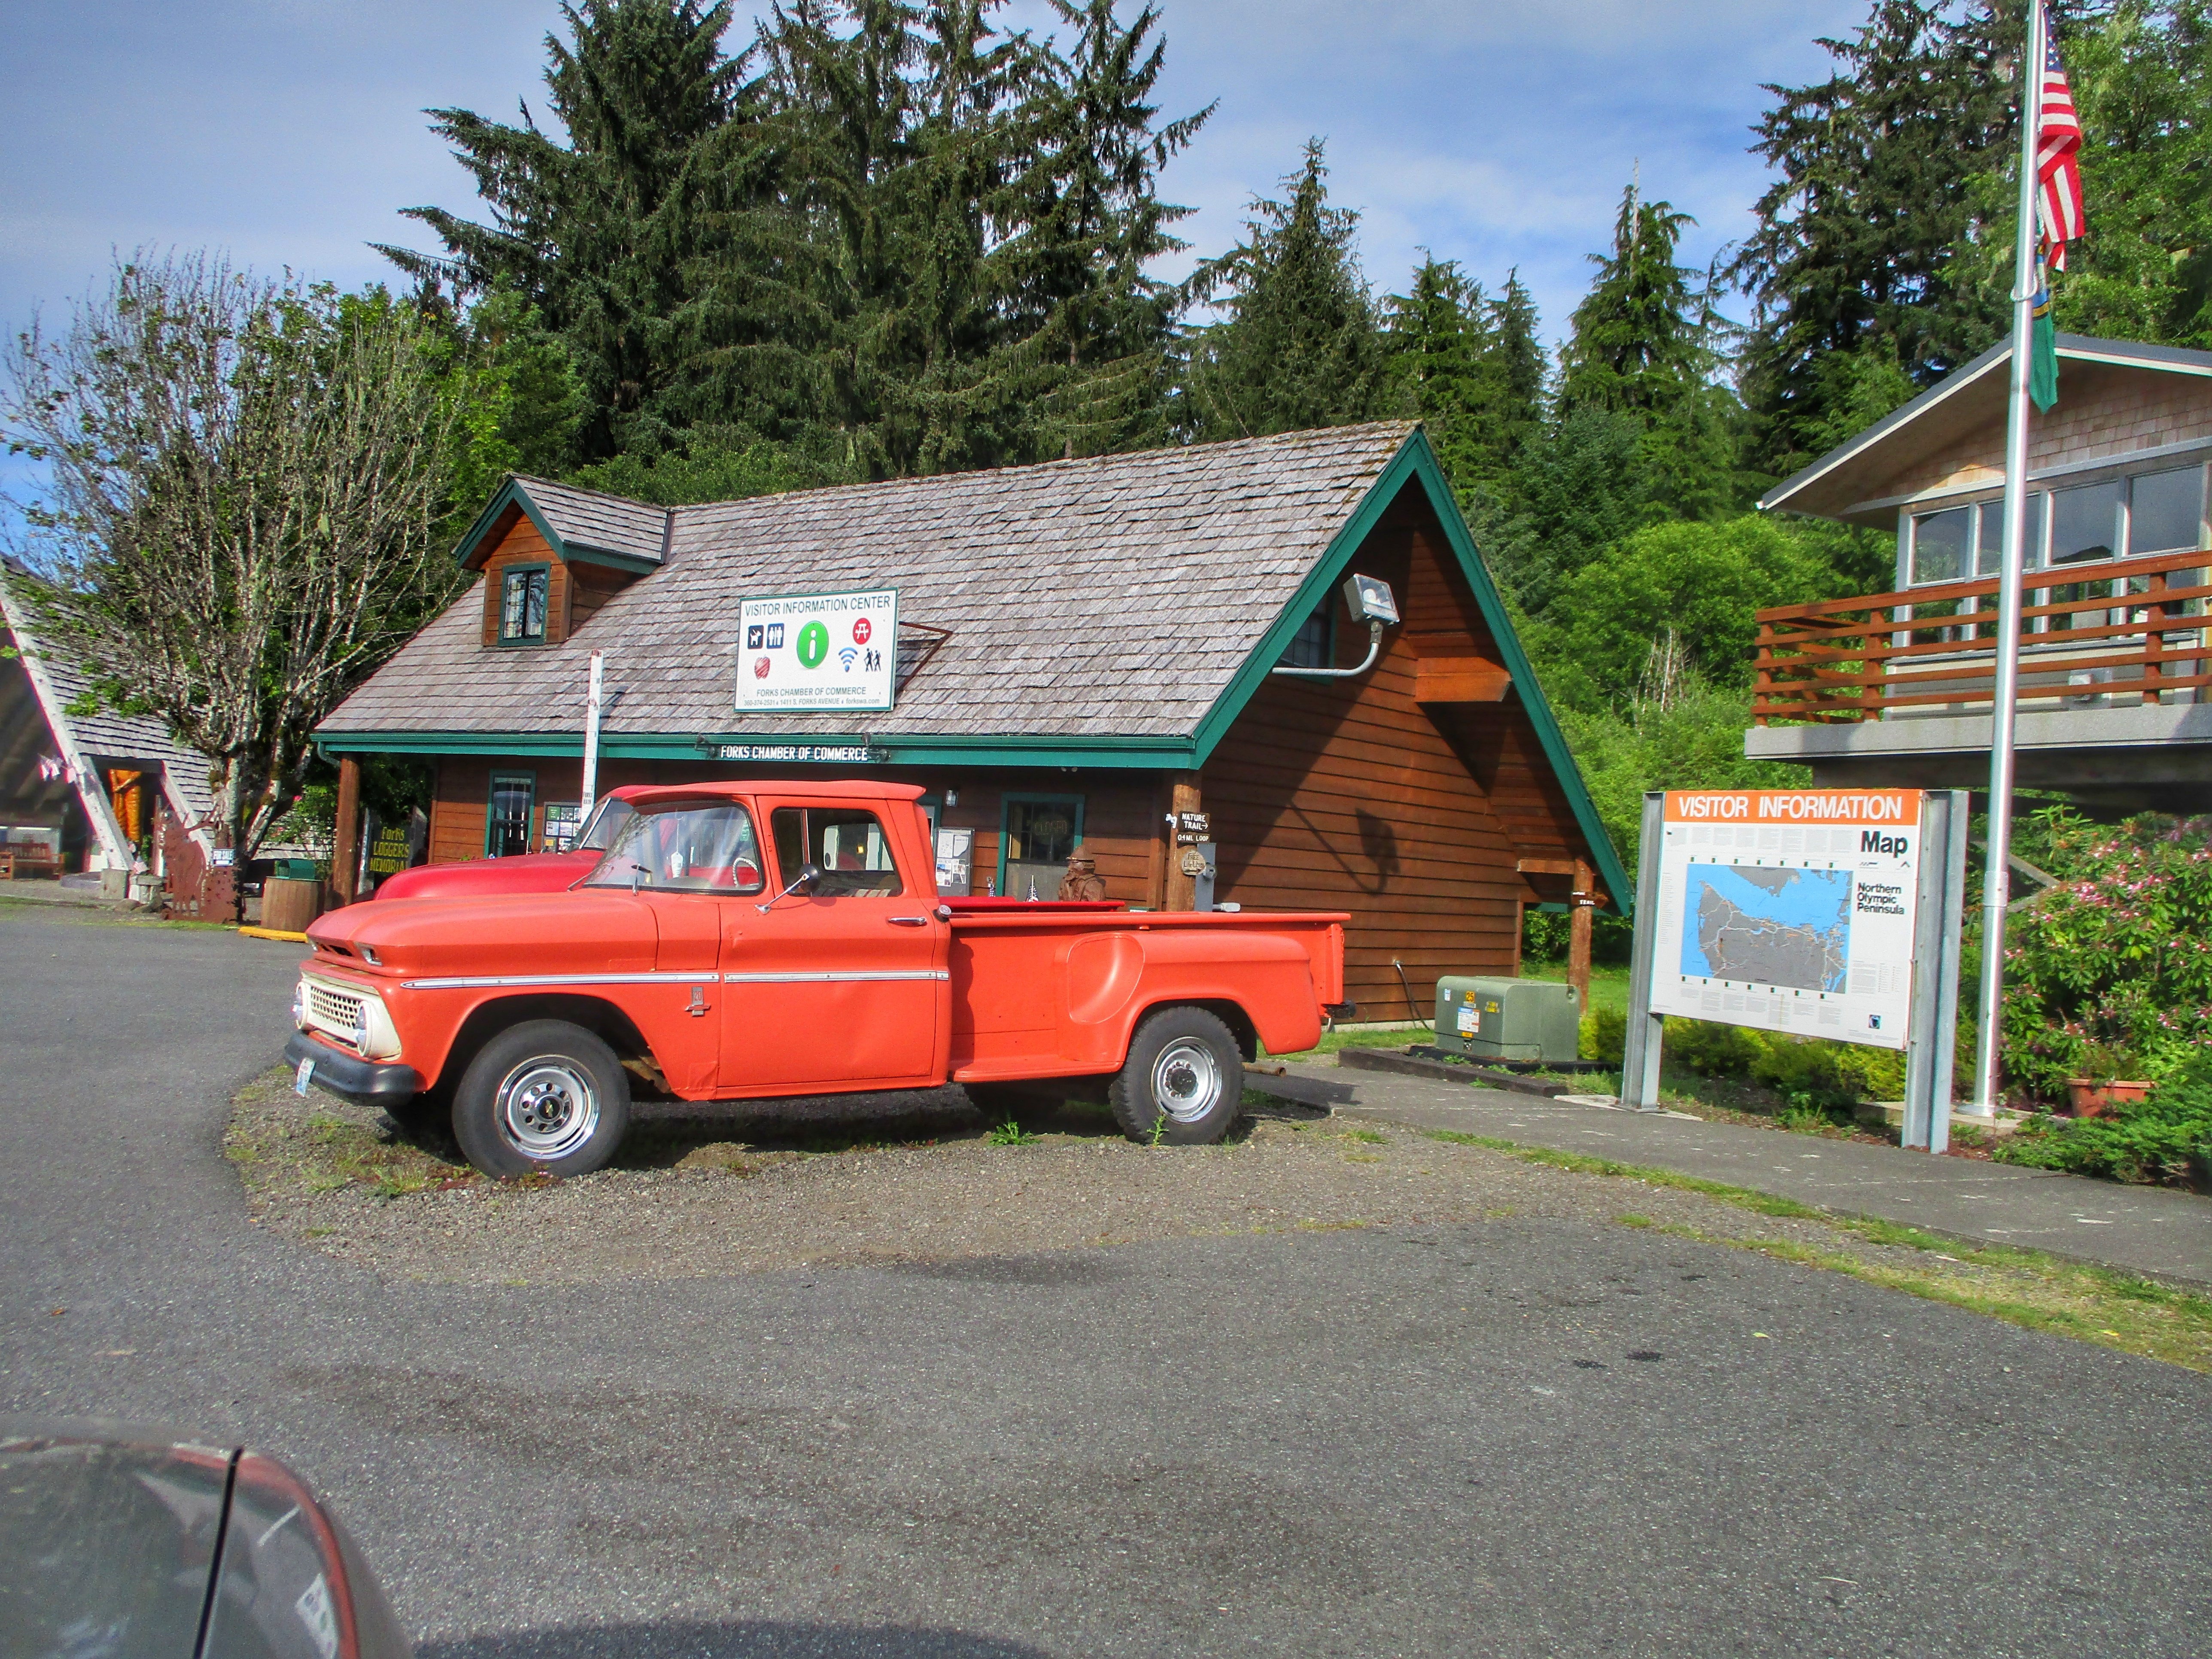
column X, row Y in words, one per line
column 542, row 1095
column 1183, row 1083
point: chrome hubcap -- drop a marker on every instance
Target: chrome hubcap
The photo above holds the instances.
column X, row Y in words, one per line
column 547, row 1109
column 1186, row 1080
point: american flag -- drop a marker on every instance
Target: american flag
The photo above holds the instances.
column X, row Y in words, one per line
column 2058, row 160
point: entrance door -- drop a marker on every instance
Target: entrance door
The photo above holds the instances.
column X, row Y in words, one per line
column 506, row 817
column 846, row 985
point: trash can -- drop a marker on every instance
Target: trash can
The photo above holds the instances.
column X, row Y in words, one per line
column 288, row 904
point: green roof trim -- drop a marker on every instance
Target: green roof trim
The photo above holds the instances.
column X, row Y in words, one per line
column 512, row 494
column 1123, row 753
column 1416, row 462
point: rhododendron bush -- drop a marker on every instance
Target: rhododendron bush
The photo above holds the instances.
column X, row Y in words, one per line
column 2109, row 972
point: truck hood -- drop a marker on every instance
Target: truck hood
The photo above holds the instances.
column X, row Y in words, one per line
column 588, row 931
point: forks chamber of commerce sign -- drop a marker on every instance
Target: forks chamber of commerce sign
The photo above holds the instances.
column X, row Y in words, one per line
column 1789, row 910
column 811, row 652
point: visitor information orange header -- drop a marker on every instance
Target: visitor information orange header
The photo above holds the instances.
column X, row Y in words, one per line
column 1870, row 807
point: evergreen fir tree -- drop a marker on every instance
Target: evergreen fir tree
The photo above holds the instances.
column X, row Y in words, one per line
column 1302, row 346
column 1513, row 374
column 598, row 236
column 1439, row 337
column 1643, row 345
column 1875, row 202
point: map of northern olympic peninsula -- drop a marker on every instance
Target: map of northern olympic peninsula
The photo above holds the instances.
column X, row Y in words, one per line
column 1765, row 925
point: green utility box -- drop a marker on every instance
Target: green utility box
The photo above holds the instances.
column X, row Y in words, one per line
column 1536, row 1019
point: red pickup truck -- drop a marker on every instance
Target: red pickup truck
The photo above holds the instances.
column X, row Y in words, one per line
column 747, row 940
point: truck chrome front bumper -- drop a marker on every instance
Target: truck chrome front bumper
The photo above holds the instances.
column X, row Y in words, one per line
column 349, row 1075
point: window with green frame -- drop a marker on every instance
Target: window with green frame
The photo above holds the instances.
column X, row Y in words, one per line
column 523, row 589
column 1036, row 833
column 507, row 812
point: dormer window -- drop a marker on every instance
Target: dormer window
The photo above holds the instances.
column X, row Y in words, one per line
column 522, row 604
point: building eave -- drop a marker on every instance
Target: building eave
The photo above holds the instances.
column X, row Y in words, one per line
column 1787, row 495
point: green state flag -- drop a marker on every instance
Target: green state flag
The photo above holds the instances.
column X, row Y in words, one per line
column 2042, row 351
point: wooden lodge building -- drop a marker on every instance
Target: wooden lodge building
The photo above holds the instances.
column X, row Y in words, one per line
column 1085, row 647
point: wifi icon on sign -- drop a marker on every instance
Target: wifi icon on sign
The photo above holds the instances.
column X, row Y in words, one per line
column 846, row 657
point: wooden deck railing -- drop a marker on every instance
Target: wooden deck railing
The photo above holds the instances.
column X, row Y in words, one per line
column 2119, row 632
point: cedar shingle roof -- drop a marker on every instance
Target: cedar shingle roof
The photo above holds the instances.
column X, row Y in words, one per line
column 610, row 523
column 1113, row 597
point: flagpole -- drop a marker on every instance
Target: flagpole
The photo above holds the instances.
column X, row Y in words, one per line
column 2005, row 696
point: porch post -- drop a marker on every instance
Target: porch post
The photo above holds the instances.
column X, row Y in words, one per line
column 1580, row 916
column 345, row 848
column 1181, row 890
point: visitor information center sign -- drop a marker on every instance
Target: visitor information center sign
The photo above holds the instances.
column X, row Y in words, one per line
column 813, row 653
column 1789, row 909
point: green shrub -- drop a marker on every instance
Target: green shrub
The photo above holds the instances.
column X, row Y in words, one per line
column 1604, row 1036
column 2150, row 1140
column 1711, row 1049
column 2111, row 971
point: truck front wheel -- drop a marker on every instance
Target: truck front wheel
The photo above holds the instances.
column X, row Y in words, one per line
column 541, row 1096
column 1183, row 1084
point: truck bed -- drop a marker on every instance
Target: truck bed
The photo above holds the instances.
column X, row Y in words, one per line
column 1039, row 992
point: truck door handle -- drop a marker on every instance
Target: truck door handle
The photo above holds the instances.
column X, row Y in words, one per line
column 908, row 922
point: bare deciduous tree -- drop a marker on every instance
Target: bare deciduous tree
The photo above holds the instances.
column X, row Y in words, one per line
column 237, row 528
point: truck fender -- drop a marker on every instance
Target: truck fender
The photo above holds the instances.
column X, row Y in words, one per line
column 496, row 1014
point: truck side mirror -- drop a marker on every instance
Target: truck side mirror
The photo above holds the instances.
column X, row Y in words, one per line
column 809, row 877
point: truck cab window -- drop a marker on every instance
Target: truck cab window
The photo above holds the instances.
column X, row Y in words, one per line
column 848, row 845
column 695, row 849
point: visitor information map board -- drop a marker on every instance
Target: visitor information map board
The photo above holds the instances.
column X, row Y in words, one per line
column 1789, row 909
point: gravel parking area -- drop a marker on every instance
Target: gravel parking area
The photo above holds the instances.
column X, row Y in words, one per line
column 916, row 1178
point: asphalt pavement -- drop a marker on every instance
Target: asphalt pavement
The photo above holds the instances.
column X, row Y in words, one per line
column 2157, row 1231
column 1518, row 1437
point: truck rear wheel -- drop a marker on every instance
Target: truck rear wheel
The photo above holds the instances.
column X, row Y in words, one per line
column 541, row 1096
column 1183, row 1083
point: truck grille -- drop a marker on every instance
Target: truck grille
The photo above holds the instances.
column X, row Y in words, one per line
column 334, row 1012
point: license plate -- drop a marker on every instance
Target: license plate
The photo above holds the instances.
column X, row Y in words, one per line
column 304, row 1075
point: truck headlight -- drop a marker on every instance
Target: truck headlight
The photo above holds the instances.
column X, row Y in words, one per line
column 299, row 1004
column 361, row 1026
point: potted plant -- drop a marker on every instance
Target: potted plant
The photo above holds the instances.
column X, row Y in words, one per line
column 2106, row 1087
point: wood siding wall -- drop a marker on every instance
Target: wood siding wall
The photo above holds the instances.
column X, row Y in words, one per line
column 1349, row 794
column 1121, row 830
column 521, row 543
column 2104, row 411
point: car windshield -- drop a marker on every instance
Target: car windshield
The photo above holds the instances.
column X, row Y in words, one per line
column 683, row 849
column 606, row 823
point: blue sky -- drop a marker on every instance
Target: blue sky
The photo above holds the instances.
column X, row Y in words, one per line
column 288, row 132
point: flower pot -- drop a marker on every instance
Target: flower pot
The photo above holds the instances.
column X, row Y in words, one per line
column 2087, row 1098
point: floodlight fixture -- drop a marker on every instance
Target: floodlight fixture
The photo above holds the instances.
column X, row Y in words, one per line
column 1370, row 600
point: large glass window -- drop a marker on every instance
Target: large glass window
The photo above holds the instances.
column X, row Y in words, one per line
column 847, row 844
column 1989, row 543
column 522, row 604
column 1041, row 832
column 506, row 817
column 2085, row 522
column 683, row 849
column 2165, row 511
column 1939, row 545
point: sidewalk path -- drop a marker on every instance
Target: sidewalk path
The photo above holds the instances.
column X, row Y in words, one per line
column 2146, row 1230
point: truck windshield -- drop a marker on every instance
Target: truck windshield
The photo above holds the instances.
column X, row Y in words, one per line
column 683, row 849
column 606, row 823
